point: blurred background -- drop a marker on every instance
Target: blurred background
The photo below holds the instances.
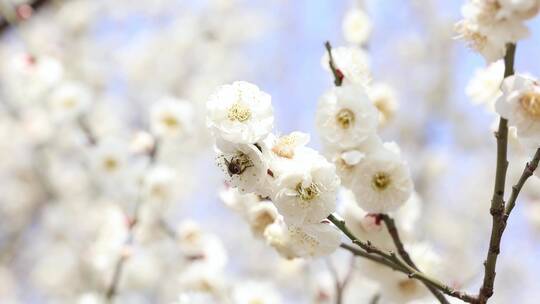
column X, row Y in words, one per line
column 73, row 176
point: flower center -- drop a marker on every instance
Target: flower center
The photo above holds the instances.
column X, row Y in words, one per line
column 307, row 193
column 256, row 301
column 192, row 237
column 170, row 121
column 285, row 146
column 384, row 107
column 476, row 40
column 69, row 103
column 345, row 118
column 110, row 164
column 407, row 286
column 530, row 102
column 158, row 191
column 381, row 181
column 239, row 112
column 262, row 221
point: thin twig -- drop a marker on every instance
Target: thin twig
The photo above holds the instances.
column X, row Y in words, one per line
column 394, row 233
column 340, row 285
column 169, row 232
column 87, row 131
column 390, row 259
column 119, row 266
column 337, row 281
column 497, row 209
column 530, row 167
column 338, row 75
column 375, row 299
column 350, row 273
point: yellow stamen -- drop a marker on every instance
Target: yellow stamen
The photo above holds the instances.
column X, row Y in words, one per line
column 239, row 112
column 345, row 118
column 530, row 102
column 381, row 181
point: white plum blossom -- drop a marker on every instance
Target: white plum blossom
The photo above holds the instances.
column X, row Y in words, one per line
column 258, row 213
column 346, row 117
column 142, row 270
column 159, row 184
column 382, row 182
column 524, row 9
column 69, row 100
column 252, row 292
column 91, row 298
column 109, row 244
column 203, row 283
column 346, row 160
column 142, row 143
column 171, row 118
column 193, row 297
column 199, row 248
column 312, row 240
column 110, row 157
column 38, row 125
column 485, row 86
column 384, row 99
column 260, row 216
column 286, row 152
column 54, row 267
column 488, row 26
column 30, row 78
column 307, row 193
column 520, row 104
column 356, row 26
column 244, row 167
column 352, row 62
column 286, row 146
column 345, row 163
column 237, row 201
column 240, row 113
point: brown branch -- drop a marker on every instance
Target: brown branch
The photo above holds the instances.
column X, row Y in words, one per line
column 530, row 167
column 375, row 299
column 119, row 266
column 394, row 233
column 497, row 209
column 87, row 131
column 390, row 259
column 338, row 75
column 402, row 267
column 392, row 230
column 23, row 12
column 340, row 285
column 337, row 282
column 374, row 258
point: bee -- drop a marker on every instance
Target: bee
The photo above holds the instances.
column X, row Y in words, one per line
column 238, row 164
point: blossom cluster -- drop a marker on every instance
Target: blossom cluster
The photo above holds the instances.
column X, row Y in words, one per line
column 519, row 103
column 299, row 181
column 489, row 25
column 347, row 119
